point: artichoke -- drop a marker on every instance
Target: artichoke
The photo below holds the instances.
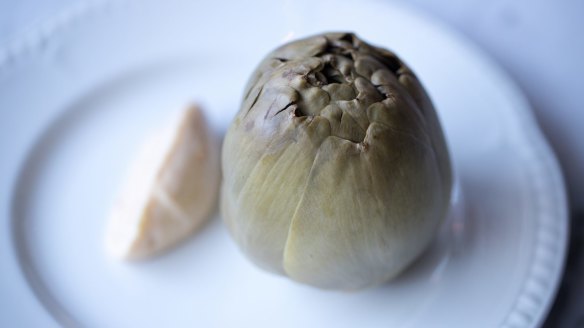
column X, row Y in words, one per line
column 336, row 171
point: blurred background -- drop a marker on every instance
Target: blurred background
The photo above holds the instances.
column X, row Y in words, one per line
column 540, row 45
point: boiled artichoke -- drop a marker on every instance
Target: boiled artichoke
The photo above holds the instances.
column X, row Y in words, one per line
column 336, row 171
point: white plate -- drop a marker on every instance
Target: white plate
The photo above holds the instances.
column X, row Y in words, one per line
column 80, row 94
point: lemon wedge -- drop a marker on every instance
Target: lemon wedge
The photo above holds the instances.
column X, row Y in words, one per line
column 170, row 190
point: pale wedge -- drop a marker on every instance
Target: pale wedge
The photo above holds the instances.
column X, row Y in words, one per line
column 170, row 190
